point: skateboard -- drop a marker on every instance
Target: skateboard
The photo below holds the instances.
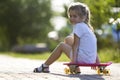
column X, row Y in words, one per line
column 101, row 67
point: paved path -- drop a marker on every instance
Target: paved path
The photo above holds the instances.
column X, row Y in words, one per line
column 21, row 69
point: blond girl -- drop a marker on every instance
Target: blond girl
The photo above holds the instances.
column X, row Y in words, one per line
column 81, row 46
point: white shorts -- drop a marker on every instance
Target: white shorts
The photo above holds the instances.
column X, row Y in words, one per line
column 85, row 58
column 82, row 58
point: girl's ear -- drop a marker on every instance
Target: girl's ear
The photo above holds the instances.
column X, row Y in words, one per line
column 83, row 18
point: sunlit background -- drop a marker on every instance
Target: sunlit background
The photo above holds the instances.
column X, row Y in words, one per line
column 31, row 26
column 58, row 21
column 58, row 6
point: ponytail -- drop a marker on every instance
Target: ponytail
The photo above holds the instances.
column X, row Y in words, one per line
column 87, row 19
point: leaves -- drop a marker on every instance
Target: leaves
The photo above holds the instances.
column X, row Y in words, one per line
column 24, row 19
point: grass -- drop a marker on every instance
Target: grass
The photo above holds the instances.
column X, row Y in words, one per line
column 37, row 56
column 105, row 55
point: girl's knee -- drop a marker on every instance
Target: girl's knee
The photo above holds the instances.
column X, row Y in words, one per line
column 65, row 48
column 61, row 44
column 69, row 40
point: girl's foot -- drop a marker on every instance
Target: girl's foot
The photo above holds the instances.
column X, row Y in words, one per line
column 74, row 69
column 78, row 70
column 42, row 68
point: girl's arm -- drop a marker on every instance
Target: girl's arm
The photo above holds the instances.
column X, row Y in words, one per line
column 75, row 48
column 97, row 59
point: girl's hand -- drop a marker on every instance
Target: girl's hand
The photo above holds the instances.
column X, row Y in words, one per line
column 97, row 62
column 94, row 68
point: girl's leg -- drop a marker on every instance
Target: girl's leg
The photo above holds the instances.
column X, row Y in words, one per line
column 65, row 47
column 62, row 47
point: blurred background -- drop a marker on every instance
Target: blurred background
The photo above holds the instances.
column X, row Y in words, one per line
column 37, row 26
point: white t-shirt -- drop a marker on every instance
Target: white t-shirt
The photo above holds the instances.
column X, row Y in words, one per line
column 87, row 50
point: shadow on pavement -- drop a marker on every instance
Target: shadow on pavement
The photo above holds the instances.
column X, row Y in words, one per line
column 82, row 76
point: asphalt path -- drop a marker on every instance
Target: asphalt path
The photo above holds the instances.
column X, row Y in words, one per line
column 22, row 69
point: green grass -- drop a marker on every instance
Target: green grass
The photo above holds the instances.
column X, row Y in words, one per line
column 109, row 55
column 105, row 55
column 37, row 56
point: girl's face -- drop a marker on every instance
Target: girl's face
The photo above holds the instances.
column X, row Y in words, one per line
column 74, row 17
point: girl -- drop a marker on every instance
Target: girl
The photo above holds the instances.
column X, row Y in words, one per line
column 81, row 46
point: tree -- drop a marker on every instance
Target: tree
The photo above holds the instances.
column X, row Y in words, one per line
column 24, row 21
column 100, row 11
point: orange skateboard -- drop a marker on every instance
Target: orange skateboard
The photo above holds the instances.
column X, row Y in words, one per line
column 101, row 67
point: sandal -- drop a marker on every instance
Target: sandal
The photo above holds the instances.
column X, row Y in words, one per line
column 78, row 70
column 74, row 69
column 44, row 69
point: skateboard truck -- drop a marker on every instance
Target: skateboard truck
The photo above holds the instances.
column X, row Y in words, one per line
column 102, row 70
column 70, row 70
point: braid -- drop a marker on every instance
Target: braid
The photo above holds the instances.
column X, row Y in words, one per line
column 87, row 19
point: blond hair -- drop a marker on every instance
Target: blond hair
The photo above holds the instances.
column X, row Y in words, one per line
column 83, row 11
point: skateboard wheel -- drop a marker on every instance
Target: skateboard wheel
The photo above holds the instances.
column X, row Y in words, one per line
column 67, row 71
column 106, row 72
column 98, row 71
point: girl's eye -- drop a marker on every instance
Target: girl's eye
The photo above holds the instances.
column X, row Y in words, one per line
column 72, row 16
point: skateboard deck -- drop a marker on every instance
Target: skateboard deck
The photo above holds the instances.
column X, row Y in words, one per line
column 101, row 67
column 89, row 65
